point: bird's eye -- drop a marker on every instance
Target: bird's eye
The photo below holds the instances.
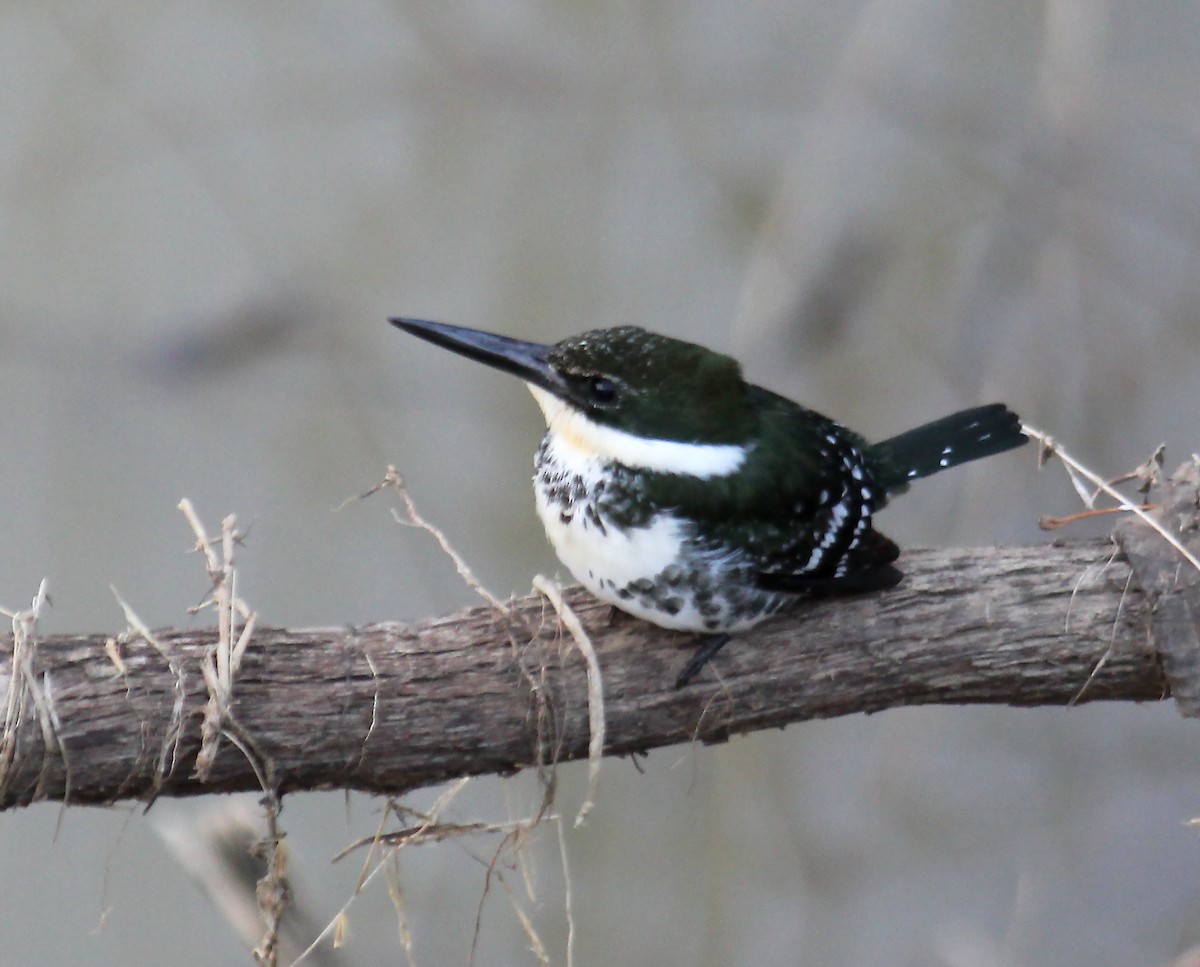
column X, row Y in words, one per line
column 603, row 390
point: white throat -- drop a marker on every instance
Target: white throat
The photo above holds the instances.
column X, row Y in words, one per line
column 573, row 429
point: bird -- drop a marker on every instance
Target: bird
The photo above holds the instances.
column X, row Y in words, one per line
column 682, row 494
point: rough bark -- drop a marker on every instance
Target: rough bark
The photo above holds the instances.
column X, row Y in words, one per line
column 1171, row 582
column 392, row 706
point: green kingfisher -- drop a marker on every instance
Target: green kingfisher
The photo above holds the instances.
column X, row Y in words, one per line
column 680, row 493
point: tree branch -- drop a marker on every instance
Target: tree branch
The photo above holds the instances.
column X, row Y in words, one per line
column 390, row 707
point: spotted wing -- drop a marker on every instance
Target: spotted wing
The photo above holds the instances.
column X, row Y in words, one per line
column 828, row 484
column 868, row 568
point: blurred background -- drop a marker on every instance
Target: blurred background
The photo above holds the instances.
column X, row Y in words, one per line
column 886, row 209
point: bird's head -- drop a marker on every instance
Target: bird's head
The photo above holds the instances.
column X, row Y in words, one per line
column 633, row 383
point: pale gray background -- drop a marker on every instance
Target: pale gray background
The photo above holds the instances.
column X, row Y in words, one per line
column 888, row 209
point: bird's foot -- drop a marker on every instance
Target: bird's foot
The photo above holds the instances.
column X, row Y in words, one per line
column 709, row 646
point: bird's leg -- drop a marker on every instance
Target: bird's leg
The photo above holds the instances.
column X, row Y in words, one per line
column 709, row 646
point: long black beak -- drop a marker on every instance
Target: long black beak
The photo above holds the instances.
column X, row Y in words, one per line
column 524, row 359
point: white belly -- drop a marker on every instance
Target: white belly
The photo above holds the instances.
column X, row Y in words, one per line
column 656, row 572
column 601, row 556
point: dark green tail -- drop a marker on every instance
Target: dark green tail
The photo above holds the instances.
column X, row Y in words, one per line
column 958, row 438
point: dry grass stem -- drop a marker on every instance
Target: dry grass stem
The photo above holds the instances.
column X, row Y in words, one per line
column 568, row 906
column 395, row 890
column 596, row 725
column 337, row 926
column 535, row 941
column 513, row 843
column 273, row 891
column 1108, row 652
column 430, row 829
column 221, row 666
column 219, row 670
column 213, row 847
column 515, row 832
column 413, row 518
column 1078, row 473
column 427, row 832
column 1048, row 523
column 1148, row 476
column 23, row 691
column 374, row 707
column 168, row 753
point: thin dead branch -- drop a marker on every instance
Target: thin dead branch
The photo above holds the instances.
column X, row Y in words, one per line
column 450, row 697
